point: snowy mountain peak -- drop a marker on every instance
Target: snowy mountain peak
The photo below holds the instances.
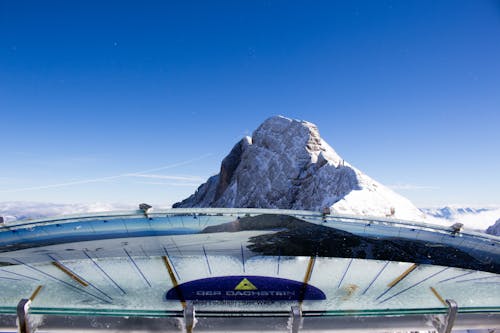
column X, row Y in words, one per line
column 286, row 164
column 278, row 132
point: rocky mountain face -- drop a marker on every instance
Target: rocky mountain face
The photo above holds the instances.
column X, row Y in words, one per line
column 494, row 229
column 286, row 164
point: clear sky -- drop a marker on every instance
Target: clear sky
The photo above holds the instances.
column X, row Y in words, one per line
column 118, row 101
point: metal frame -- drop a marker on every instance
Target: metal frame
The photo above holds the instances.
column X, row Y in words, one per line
column 295, row 319
column 189, row 317
column 444, row 325
column 295, row 322
column 23, row 307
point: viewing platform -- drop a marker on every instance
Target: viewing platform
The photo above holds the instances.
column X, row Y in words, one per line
column 275, row 270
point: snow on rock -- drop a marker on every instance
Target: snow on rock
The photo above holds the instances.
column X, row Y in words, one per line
column 494, row 229
column 287, row 165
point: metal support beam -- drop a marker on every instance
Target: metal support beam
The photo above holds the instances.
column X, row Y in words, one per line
column 444, row 325
column 22, row 316
column 295, row 319
column 189, row 317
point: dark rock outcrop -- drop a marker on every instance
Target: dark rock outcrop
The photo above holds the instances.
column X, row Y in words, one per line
column 494, row 229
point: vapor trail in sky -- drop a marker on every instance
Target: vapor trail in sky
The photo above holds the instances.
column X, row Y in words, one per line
column 100, row 179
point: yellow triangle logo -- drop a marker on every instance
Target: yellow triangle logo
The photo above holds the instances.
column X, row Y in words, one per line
column 245, row 285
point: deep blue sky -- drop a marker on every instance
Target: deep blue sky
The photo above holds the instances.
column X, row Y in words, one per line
column 407, row 91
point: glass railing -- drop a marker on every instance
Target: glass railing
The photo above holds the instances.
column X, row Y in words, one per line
column 244, row 262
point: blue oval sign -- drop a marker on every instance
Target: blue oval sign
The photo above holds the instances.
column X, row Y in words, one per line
column 245, row 288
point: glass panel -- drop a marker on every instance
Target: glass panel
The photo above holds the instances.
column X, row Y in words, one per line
column 240, row 261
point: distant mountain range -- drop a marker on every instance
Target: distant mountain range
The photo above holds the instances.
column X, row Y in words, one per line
column 478, row 218
column 453, row 212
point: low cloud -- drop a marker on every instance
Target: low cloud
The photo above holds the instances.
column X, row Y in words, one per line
column 21, row 210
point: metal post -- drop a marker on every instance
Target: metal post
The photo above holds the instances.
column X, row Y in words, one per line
column 22, row 316
column 444, row 325
column 189, row 317
column 451, row 316
column 296, row 318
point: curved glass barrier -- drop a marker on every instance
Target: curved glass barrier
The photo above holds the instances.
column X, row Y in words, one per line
column 244, row 262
